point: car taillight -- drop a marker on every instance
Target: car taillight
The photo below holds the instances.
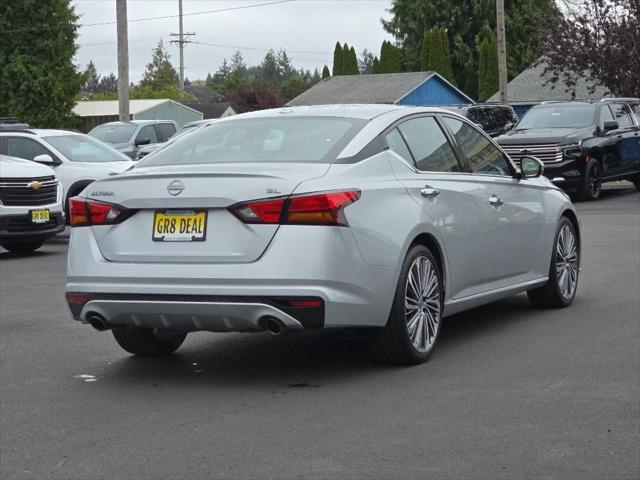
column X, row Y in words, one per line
column 324, row 208
column 85, row 212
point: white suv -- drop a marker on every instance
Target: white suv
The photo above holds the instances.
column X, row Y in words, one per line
column 77, row 159
column 30, row 205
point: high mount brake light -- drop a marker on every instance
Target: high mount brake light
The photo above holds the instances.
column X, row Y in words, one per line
column 323, row 208
column 84, row 212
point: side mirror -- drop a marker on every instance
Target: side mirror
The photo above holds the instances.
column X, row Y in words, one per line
column 142, row 141
column 531, row 167
column 610, row 125
column 46, row 159
column 508, row 126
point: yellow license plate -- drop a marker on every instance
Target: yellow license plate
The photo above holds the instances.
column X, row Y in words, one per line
column 40, row 216
column 180, row 226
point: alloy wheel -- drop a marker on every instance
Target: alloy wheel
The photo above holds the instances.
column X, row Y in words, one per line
column 567, row 262
column 595, row 182
column 422, row 304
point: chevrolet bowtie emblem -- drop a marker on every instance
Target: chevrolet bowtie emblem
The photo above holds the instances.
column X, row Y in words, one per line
column 35, row 185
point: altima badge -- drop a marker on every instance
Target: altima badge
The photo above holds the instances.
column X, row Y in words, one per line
column 175, row 188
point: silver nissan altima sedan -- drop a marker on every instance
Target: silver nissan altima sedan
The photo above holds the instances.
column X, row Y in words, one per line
column 355, row 216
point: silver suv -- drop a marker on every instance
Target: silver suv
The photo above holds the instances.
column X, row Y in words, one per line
column 128, row 137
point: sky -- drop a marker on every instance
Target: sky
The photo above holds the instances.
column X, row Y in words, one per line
column 306, row 29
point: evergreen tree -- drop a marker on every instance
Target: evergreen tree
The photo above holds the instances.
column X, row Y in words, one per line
column 325, row 72
column 237, row 71
column 435, row 52
column 375, row 65
column 90, row 78
column 268, row 69
column 446, row 65
column 285, row 67
column 160, row 74
column 465, row 19
column 389, row 58
column 108, row 84
column 353, row 62
column 488, row 80
column 337, row 60
column 220, row 77
column 38, row 80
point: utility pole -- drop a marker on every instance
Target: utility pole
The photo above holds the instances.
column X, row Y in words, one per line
column 181, row 42
column 502, row 52
column 123, row 60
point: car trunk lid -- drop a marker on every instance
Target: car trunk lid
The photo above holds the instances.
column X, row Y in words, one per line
column 184, row 192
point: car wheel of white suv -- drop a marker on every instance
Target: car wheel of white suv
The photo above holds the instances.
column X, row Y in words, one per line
column 414, row 324
column 146, row 342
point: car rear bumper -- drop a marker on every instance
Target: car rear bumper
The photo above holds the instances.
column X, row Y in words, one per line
column 302, row 262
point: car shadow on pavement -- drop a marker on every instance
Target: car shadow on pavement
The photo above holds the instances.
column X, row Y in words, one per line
column 4, row 255
column 301, row 360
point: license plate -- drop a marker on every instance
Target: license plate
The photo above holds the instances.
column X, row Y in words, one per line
column 180, row 226
column 40, row 216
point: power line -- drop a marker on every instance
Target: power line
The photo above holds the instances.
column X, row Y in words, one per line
column 228, row 9
column 50, row 24
column 261, row 49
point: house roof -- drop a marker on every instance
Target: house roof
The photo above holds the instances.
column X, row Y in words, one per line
column 209, row 110
column 203, row 93
column 372, row 88
column 529, row 87
column 99, row 108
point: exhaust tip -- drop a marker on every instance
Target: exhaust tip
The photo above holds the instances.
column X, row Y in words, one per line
column 98, row 322
column 273, row 325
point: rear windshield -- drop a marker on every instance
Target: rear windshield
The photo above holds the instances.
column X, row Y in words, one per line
column 492, row 118
column 271, row 139
column 82, row 148
column 559, row 116
column 113, row 133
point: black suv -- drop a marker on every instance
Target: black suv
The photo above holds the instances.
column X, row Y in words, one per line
column 492, row 118
column 582, row 144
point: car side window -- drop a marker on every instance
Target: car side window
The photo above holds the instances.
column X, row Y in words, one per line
column 622, row 116
column 396, row 143
column 166, row 130
column 635, row 108
column 484, row 156
column 429, row 145
column 26, row 148
column 606, row 115
column 147, row 132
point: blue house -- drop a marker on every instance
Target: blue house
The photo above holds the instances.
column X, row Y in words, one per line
column 410, row 88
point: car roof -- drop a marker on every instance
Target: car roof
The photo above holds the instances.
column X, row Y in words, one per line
column 363, row 111
column 41, row 132
column 135, row 122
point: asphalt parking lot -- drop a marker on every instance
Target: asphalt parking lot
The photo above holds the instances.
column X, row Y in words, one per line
column 511, row 392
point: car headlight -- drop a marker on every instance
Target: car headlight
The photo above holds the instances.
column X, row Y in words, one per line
column 572, row 148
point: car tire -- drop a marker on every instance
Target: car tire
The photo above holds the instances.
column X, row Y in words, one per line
column 560, row 289
column 145, row 342
column 398, row 343
column 592, row 182
column 23, row 248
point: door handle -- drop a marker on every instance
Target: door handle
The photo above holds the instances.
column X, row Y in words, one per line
column 429, row 192
column 495, row 201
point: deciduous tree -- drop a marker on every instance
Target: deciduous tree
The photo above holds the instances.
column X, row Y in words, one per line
column 599, row 39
